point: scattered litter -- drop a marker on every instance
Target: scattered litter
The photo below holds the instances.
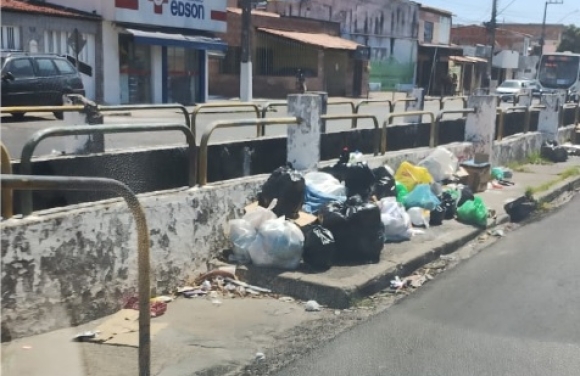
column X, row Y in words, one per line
column 157, row 308
column 447, row 257
column 26, row 347
column 312, row 306
column 260, row 356
column 337, row 312
column 286, row 299
column 230, row 287
column 224, row 273
column 84, row 336
column 244, row 284
column 184, row 289
column 397, row 283
column 497, row 232
column 206, row 286
column 216, row 302
column 416, row 280
column 212, row 295
column 194, row 293
column 162, row 299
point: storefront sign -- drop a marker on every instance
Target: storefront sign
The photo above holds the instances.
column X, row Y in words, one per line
column 208, row 15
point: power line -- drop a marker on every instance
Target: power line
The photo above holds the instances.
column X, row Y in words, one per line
column 507, row 6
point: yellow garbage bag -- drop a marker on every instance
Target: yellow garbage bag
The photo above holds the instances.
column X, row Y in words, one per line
column 410, row 175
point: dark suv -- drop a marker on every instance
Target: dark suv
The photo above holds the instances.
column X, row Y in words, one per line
column 38, row 80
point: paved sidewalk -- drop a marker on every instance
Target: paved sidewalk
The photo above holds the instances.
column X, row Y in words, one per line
column 199, row 335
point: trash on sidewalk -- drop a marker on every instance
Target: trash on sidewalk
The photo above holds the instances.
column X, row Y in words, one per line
column 84, row 336
column 260, row 356
column 551, row 151
column 479, row 175
column 473, row 212
column 122, row 329
column 384, row 182
column 410, row 175
column 441, row 164
column 286, row 299
column 520, row 208
column 422, row 197
column 312, row 306
column 497, row 232
column 572, row 149
column 319, row 247
column 321, row 188
column 395, row 219
column 157, row 308
column 419, row 217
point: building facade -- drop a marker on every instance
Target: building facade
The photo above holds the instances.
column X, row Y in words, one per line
column 552, row 38
column 157, row 51
column 48, row 28
column 282, row 46
column 388, row 27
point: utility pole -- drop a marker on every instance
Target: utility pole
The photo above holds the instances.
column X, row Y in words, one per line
column 246, row 58
column 543, row 37
column 492, row 26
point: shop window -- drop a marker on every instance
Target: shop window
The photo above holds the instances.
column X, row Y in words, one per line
column 135, row 71
column 230, row 64
column 282, row 57
column 428, row 32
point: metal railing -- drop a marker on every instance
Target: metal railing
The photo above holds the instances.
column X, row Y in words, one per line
column 402, row 100
column 517, row 97
column 270, row 105
column 197, row 110
column 434, row 138
column 391, row 117
column 501, row 112
column 342, row 103
column 28, row 149
column 260, row 123
column 31, row 182
column 150, row 107
column 367, row 102
column 354, row 125
column 81, row 108
column 6, row 168
column 451, row 99
column 433, row 99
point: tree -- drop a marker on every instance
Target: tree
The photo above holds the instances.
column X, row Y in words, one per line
column 570, row 40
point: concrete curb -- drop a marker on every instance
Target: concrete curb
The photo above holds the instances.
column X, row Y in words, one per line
column 345, row 293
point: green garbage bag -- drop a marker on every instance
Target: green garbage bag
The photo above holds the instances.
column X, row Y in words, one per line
column 497, row 173
column 401, row 191
column 473, row 212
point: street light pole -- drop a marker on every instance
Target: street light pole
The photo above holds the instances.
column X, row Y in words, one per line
column 492, row 26
column 543, row 37
column 246, row 58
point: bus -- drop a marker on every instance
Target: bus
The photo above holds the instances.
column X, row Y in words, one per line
column 560, row 71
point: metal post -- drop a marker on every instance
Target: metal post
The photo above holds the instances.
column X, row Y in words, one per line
column 492, row 26
column 543, row 37
column 246, row 58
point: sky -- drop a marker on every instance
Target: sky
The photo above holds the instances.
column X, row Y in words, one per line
column 522, row 11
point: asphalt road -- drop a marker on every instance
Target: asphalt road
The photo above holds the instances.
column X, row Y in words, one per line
column 510, row 310
column 14, row 134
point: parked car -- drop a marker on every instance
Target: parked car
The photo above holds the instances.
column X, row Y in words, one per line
column 38, row 80
column 509, row 89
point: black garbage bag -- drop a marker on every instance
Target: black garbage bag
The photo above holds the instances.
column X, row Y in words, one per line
column 361, row 240
column 449, row 205
column 331, row 216
column 551, row 151
column 384, row 183
column 465, row 195
column 437, row 215
column 287, row 186
column 319, row 247
column 359, row 180
column 520, row 208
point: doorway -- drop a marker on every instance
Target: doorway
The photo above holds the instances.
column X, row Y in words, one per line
column 183, row 78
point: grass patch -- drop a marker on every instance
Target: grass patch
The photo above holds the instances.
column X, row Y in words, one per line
column 568, row 173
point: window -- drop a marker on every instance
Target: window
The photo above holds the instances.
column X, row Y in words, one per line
column 428, row 32
column 10, row 38
column 21, row 68
column 444, row 33
column 230, row 64
column 64, row 66
column 46, row 67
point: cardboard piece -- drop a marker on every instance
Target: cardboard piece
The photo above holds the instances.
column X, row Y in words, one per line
column 304, row 219
column 462, row 175
column 122, row 329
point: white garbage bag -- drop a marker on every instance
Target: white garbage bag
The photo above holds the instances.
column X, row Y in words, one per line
column 279, row 244
column 242, row 235
column 441, row 163
column 325, row 183
column 395, row 219
column 259, row 215
column 419, row 217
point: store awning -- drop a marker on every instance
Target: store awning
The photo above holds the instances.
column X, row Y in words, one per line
column 441, row 46
column 467, row 59
column 326, row 41
column 177, row 40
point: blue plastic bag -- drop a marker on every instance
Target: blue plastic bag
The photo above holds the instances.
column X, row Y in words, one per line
column 314, row 200
column 422, row 197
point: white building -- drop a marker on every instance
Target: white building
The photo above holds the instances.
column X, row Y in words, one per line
column 156, row 51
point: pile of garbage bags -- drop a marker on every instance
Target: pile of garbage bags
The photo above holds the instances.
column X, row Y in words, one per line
column 355, row 210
